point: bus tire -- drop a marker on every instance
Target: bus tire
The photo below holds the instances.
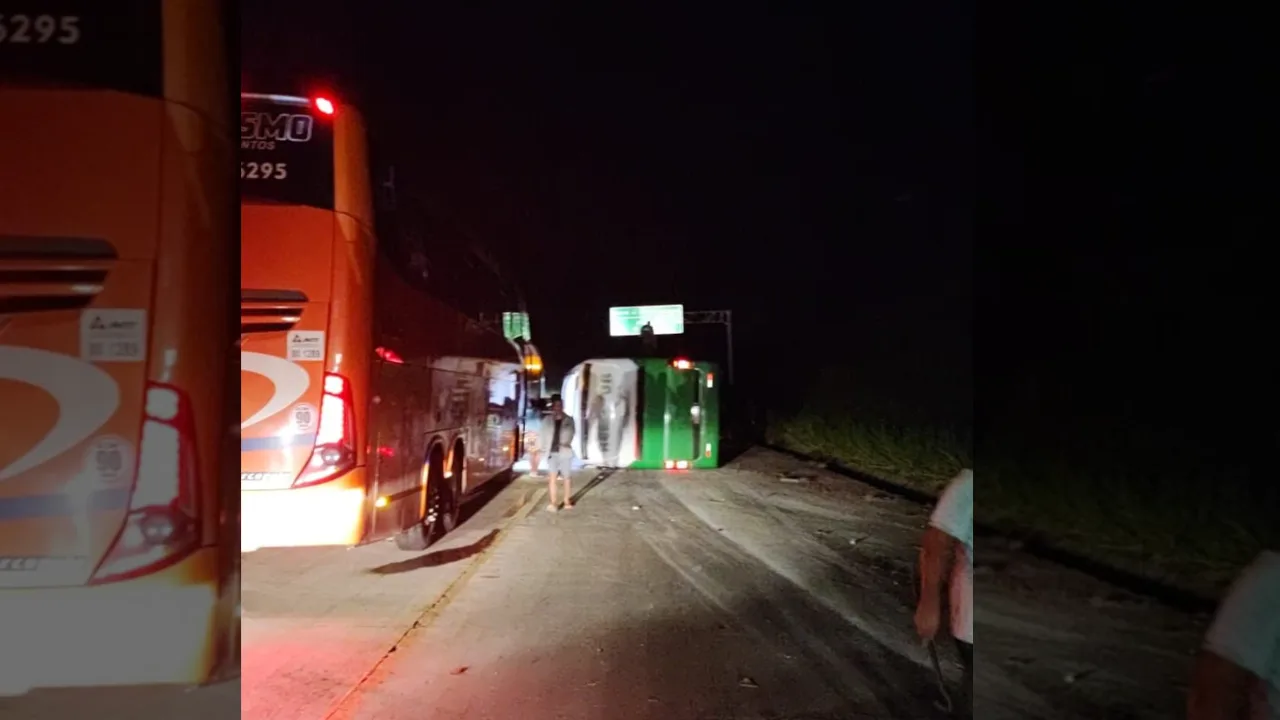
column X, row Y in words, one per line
column 415, row 538
column 423, row 533
column 457, row 466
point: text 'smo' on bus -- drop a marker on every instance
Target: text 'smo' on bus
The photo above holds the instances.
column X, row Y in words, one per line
column 117, row 517
column 369, row 408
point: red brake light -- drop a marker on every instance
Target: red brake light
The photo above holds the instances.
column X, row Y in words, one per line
column 681, row 364
column 162, row 525
column 324, row 105
column 335, row 447
column 390, row 356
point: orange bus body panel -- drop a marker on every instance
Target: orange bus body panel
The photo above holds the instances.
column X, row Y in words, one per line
column 322, row 254
column 443, row 382
column 115, row 286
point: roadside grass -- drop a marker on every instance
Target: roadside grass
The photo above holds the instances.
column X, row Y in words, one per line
column 1189, row 532
column 1173, row 526
column 923, row 458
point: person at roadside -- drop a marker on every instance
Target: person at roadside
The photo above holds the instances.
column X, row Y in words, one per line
column 1237, row 675
column 555, row 440
column 532, row 443
column 946, row 560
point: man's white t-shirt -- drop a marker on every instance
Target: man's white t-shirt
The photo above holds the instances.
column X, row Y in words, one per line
column 1246, row 630
column 954, row 516
column 548, row 429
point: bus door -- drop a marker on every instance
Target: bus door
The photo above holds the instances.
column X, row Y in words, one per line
column 682, row 418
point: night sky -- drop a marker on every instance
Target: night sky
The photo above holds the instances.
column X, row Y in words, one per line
column 824, row 176
column 1123, row 276
column 812, row 173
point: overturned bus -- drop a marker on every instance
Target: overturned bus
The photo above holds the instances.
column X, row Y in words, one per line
column 645, row 413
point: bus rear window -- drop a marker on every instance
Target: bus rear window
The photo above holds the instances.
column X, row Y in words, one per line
column 83, row 45
column 286, row 154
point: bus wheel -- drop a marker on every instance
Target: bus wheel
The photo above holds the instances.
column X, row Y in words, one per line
column 452, row 509
column 421, row 534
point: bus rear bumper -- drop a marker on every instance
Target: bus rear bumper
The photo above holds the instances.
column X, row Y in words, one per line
column 332, row 513
column 159, row 629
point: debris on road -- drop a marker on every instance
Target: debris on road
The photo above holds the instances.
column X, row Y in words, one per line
column 797, row 476
column 459, row 670
column 1070, row 678
column 747, row 682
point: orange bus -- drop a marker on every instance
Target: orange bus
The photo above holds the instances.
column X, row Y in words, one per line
column 117, row 349
column 369, row 407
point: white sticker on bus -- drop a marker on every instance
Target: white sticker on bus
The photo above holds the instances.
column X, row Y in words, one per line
column 113, row 335
column 109, row 460
column 92, row 393
column 306, row 346
column 304, row 417
column 289, row 381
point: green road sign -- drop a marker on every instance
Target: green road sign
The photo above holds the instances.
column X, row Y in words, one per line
column 516, row 325
column 665, row 319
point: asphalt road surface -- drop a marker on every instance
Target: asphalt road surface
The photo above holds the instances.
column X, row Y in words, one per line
column 726, row 594
column 213, row 702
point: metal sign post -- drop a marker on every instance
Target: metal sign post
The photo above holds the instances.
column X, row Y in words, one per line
column 715, row 317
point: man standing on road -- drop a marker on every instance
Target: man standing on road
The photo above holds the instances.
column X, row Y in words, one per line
column 555, row 439
column 1238, row 673
column 949, row 542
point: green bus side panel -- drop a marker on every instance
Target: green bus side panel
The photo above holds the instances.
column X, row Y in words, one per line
column 653, row 405
column 681, row 415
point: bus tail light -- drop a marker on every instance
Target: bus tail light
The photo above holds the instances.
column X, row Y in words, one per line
column 681, row 364
column 335, row 449
column 324, row 105
column 390, row 356
column 163, row 522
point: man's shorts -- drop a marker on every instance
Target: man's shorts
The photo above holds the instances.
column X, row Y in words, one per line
column 560, row 463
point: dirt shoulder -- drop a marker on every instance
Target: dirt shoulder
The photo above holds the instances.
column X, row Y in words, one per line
column 1054, row 642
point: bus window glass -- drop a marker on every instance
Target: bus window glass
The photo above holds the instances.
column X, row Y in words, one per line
column 84, row 46
column 286, row 154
